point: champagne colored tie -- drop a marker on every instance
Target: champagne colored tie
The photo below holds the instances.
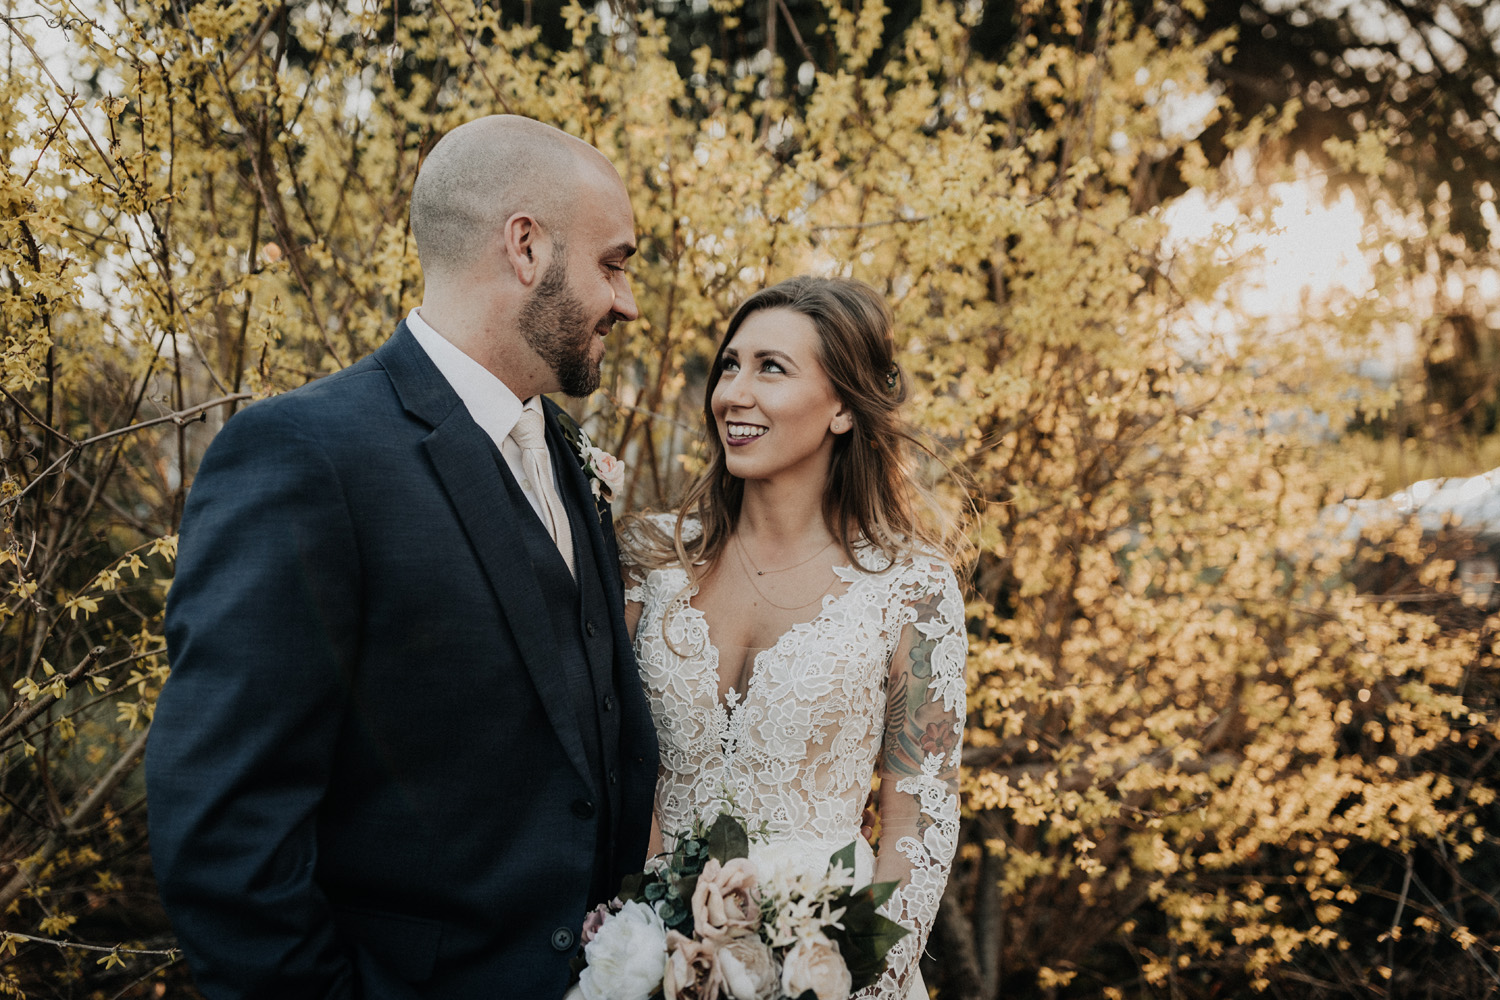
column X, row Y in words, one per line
column 530, row 435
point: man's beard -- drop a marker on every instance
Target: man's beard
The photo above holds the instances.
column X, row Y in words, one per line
column 557, row 328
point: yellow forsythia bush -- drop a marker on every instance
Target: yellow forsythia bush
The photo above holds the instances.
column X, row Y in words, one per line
column 1199, row 763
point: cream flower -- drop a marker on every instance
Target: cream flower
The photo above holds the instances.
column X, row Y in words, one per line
column 814, row 963
column 748, row 969
column 626, row 956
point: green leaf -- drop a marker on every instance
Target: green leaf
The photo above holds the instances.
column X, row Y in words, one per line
column 867, row 936
column 631, row 887
column 671, row 912
column 881, row 891
column 727, row 839
column 843, row 856
column 686, row 887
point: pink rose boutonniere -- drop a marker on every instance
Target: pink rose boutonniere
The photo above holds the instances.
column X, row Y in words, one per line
column 605, row 472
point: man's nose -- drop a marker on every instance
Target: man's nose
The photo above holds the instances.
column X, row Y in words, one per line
column 624, row 305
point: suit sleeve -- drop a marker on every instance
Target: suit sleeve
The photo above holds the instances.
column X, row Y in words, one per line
column 262, row 633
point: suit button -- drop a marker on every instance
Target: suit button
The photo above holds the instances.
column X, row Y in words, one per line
column 614, row 777
column 562, row 939
column 583, row 809
column 590, row 627
column 609, row 703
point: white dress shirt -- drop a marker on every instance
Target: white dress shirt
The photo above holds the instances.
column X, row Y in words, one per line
column 489, row 401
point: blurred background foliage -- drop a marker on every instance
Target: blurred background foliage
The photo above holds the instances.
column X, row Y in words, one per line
column 1221, row 740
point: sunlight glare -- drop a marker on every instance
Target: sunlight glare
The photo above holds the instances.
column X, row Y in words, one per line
column 1312, row 254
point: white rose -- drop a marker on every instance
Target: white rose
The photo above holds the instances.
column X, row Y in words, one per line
column 626, row 957
column 814, row 963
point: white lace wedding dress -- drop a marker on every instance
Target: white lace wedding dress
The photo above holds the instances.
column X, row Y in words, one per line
column 797, row 748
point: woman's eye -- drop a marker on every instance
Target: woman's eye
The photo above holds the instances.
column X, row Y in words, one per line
column 772, row 366
column 729, row 365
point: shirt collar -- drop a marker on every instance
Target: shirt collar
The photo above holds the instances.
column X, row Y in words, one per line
column 489, row 401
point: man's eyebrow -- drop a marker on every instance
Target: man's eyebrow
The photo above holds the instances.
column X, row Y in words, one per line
column 625, row 250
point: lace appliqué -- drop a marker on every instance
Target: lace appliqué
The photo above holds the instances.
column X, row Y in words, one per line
column 797, row 748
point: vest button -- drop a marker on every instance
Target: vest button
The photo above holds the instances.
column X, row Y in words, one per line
column 614, row 777
column 562, row 939
column 609, row 703
column 583, row 808
column 590, row 627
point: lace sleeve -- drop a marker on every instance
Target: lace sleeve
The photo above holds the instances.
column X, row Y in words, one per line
column 919, row 760
column 635, row 577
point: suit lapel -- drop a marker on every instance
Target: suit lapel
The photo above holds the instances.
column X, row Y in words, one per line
column 467, row 467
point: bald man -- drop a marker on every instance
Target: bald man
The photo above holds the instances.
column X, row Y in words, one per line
column 403, row 748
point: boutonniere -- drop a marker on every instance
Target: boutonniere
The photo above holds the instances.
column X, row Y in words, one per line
column 605, row 472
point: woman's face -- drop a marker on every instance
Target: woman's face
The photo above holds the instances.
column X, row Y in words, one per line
column 775, row 410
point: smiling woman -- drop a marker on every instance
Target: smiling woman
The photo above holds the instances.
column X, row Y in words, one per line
column 775, row 409
column 796, row 633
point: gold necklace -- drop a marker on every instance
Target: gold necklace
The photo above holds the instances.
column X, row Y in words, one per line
column 773, row 572
column 742, row 555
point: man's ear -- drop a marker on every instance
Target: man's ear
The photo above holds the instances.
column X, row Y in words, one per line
column 523, row 241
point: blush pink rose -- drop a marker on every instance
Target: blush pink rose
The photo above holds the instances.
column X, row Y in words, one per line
column 692, row 971
column 725, row 900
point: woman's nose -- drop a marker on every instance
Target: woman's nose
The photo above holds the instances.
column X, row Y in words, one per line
column 733, row 390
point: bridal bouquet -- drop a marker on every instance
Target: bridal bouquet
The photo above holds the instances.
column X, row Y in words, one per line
column 704, row 924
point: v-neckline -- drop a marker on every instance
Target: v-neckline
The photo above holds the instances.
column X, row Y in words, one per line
column 723, row 704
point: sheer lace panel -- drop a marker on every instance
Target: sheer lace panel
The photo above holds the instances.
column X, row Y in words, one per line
column 876, row 680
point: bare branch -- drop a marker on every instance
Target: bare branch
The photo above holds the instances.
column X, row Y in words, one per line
column 179, row 417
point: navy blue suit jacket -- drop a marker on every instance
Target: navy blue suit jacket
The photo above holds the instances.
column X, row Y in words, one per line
column 365, row 776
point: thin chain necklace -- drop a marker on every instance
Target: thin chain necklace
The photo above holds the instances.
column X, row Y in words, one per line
column 773, row 572
column 742, row 555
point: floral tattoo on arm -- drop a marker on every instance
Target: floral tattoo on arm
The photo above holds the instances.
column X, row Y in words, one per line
column 918, row 726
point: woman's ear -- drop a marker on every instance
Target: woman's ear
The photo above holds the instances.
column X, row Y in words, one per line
column 842, row 422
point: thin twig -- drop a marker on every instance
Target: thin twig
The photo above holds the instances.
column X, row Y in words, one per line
column 38, row 420
column 474, row 59
column 42, row 704
column 179, row 417
column 1395, row 930
column 873, row 225
column 67, row 98
column 171, row 953
column 796, row 35
column 171, row 961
